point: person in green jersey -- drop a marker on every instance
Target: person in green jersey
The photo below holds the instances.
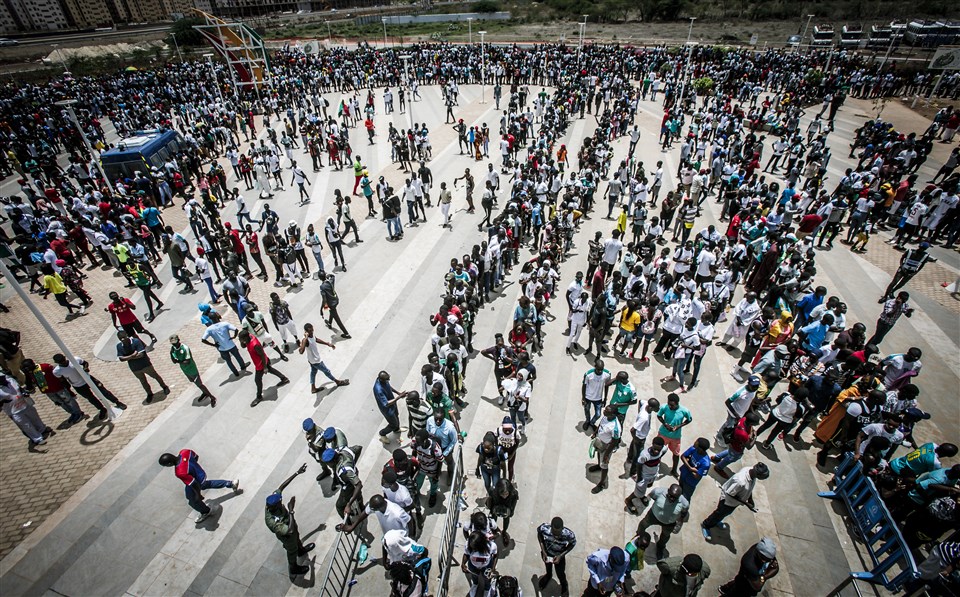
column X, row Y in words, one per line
column 180, row 354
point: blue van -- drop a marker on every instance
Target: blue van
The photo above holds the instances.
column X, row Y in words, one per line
column 141, row 151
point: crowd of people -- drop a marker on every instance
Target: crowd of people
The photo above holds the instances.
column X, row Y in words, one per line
column 660, row 277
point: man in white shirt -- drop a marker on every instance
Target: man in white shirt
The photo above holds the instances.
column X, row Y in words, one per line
column 612, row 247
column 737, row 491
column 890, row 429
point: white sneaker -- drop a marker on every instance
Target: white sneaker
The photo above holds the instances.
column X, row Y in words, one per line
column 236, row 486
column 201, row 517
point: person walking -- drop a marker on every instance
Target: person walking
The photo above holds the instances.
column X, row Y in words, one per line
column 282, row 523
column 143, row 282
column 309, row 346
column 737, row 491
column 223, row 334
column 387, row 399
column 556, row 541
column 892, row 310
column 65, row 370
column 182, row 355
column 669, row 507
column 187, row 468
column 261, row 364
column 133, row 352
column 53, row 284
column 330, row 302
column 122, row 314
column 757, row 566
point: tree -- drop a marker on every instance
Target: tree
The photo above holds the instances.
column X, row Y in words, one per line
column 185, row 33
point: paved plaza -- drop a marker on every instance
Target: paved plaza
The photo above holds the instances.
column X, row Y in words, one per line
column 91, row 512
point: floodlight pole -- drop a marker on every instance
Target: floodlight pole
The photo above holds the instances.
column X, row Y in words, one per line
column 483, row 68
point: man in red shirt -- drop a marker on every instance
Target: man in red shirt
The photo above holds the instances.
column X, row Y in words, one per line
column 744, row 436
column 188, row 469
column 261, row 364
column 122, row 313
column 238, row 247
column 808, row 224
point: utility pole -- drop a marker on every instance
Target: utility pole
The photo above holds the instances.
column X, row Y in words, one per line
column 329, row 37
column 483, row 68
column 56, row 48
column 583, row 26
column 470, row 29
column 804, row 35
column 213, row 71
column 384, row 21
column 887, row 55
column 686, row 67
column 406, row 79
column 177, row 46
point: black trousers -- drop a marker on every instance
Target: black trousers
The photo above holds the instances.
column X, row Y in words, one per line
column 335, row 316
column 561, row 566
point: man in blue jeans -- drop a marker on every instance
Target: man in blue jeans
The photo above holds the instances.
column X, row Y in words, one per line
column 188, row 469
column 223, row 334
column 309, row 346
column 387, row 399
column 593, row 392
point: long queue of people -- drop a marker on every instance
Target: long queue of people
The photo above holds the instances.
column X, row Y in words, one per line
column 672, row 298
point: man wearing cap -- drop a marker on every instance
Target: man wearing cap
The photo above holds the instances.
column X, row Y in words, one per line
column 682, row 577
column 608, row 569
column 344, row 461
column 281, row 522
column 188, row 469
column 757, row 566
column 737, row 491
column 181, row 355
column 669, row 508
column 319, row 440
column 556, row 541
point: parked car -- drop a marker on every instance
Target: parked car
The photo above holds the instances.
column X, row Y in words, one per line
column 6, row 41
column 793, row 41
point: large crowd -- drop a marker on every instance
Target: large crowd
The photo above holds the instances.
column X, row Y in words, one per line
column 660, row 278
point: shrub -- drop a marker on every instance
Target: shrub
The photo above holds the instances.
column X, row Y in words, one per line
column 485, row 6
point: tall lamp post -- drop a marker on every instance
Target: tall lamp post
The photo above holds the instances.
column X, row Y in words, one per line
column 804, row 36
column 686, row 68
column 173, row 36
column 56, row 48
column 213, row 72
column 483, row 68
column 384, row 21
column 583, row 26
column 329, row 37
column 470, row 29
column 406, row 79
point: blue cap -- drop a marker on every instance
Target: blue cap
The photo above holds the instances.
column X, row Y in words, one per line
column 924, row 245
column 329, row 433
column 753, row 380
column 328, row 455
column 308, row 424
column 273, row 499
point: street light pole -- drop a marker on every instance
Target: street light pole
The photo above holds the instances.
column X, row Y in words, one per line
column 177, row 46
column 583, row 26
column 483, row 68
column 887, row 55
column 213, row 71
column 384, row 21
column 56, row 48
column 329, row 37
column 804, row 36
column 686, row 67
column 406, row 79
column 470, row 29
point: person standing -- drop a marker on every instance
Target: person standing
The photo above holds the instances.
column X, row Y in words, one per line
column 911, row 263
column 330, row 302
column 281, row 522
column 673, row 418
column 593, row 392
column 22, row 412
column 556, row 541
column 182, row 355
column 283, row 319
column 143, row 282
column 134, row 354
column 737, row 491
column 387, row 399
column 607, row 568
column 223, row 334
column 696, row 465
column 669, row 507
column 187, row 468
column 309, row 346
column 446, row 198
column 606, row 439
column 757, row 566
column 261, row 364
column 682, row 577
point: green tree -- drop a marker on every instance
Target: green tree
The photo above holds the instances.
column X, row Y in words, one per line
column 185, row 33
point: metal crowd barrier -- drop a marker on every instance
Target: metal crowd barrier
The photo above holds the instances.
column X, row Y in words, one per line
column 338, row 577
column 874, row 526
column 448, row 540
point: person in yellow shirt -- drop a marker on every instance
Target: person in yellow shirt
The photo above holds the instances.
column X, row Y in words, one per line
column 629, row 320
column 53, row 284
